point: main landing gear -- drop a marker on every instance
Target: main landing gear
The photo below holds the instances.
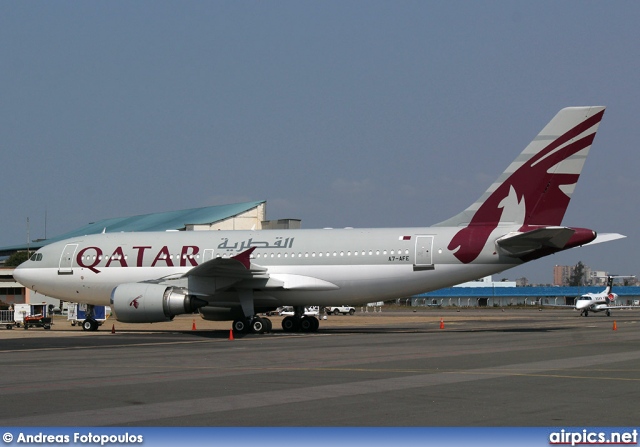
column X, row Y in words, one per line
column 298, row 322
column 260, row 325
column 255, row 325
column 294, row 323
column 305, row 323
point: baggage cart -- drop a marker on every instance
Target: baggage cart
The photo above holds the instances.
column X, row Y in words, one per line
column 6, row 318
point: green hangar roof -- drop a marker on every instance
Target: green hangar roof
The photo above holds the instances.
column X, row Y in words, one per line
column 170, row 220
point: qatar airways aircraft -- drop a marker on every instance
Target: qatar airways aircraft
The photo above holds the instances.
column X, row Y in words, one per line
column 236, row 275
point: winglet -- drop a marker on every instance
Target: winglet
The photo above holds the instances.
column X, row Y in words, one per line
column 245, row 257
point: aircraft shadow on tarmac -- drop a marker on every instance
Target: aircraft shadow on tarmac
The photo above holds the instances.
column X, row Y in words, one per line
column 218, row 334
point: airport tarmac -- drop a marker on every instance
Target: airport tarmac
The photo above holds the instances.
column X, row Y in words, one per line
column 486, row 367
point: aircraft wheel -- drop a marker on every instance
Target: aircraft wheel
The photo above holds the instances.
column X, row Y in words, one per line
column 306, row 325
column 258, row 326
column 268, row 324
column 240, row 326
column 89, row 325
column 315, row 324
column 608, row 314
column 290, row 324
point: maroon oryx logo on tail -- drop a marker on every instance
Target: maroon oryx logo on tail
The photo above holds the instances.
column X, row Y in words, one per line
column 538, row 191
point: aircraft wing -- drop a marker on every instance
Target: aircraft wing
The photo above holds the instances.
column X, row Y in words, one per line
column 521, row 244
column 619, row 307
column 237, row 267
column 240, row 269
column 566, row 306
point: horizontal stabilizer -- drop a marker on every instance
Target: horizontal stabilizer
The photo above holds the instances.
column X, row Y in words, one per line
column 606, row 237
column 521, row 244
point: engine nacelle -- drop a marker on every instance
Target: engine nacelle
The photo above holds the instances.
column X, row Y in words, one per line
column 611, row 297
column 151, row 303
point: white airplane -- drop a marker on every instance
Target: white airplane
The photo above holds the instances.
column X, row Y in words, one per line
column 601, row 301
column 236, row 275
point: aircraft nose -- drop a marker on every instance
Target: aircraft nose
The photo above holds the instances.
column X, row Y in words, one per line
column 21, row 275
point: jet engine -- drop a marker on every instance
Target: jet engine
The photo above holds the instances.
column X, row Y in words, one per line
column 611, row 297
column 151, row 303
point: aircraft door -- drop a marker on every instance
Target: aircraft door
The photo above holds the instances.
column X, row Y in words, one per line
column 424, row 256
column 66, row 259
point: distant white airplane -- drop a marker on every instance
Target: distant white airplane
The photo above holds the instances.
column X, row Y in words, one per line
column 600, row 302
column 236, row 275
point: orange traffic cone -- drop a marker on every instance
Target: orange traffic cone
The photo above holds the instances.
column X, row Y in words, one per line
column 615, row 326
column 441, row 323
column 113, row 329
column 193, row 325
column 230, row 334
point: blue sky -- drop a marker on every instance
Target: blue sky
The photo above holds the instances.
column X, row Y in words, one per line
column 340, row 113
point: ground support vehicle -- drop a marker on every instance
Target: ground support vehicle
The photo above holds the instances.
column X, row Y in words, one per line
column 38, row 320
column 344, row 310
column 6, row 318
column 286, row 311
column 32, row 315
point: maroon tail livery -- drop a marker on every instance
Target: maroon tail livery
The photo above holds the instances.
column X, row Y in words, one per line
column 535, row 190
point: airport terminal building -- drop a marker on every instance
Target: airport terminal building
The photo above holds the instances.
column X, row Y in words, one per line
column 506, row 294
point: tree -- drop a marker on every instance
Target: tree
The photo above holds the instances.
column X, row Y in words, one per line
column 16, row 259
column 577, row 275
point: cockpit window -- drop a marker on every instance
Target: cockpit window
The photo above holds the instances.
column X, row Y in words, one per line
column 36, row 257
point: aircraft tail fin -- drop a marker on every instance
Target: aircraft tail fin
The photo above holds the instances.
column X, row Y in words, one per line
column 609, row 284
column 536, row 188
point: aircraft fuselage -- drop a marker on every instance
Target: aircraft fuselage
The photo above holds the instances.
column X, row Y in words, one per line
column 317, row 267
